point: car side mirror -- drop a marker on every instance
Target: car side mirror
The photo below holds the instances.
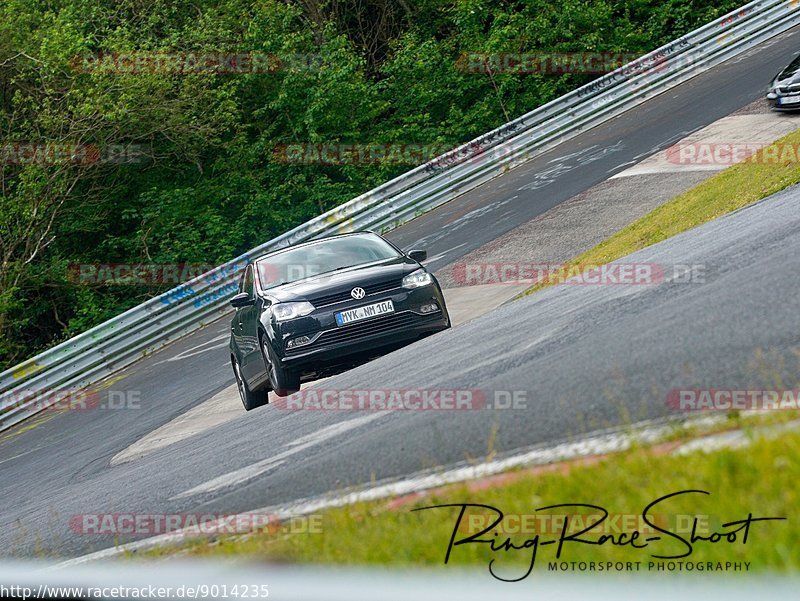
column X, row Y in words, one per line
column 241, row 300
column 418, row 255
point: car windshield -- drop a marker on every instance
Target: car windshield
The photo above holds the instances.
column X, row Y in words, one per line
column 296, row 264
column 789, row 71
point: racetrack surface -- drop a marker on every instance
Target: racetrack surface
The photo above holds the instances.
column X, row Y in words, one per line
column 588, row 356
column 480, row 216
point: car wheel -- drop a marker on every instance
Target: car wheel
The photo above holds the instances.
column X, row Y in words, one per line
column 250, row 398
column 283, row 381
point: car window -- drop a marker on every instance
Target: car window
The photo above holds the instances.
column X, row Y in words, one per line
column 248, row 281
column 790, row 70
column 325, row 256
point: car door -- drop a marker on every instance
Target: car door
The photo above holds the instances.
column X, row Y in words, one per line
column 252, row 364
column 236, row 324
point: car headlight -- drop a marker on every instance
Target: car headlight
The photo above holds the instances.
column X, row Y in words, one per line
column 285, row 311
column 417, row 279
column 771, row 90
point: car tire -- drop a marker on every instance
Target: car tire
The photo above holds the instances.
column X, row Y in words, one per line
column 283, row 381
column 250, row 398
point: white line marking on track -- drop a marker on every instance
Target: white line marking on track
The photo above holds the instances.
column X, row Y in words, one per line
column 442, row 254
column 196, row 350
column 256, row 469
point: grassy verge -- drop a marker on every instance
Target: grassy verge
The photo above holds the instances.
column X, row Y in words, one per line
column 768, row 171
column 757, row 479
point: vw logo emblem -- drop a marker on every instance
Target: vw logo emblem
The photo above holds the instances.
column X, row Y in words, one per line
column 358, row 293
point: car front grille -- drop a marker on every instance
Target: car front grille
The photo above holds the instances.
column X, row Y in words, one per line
column 363, row 329
column 332, row 299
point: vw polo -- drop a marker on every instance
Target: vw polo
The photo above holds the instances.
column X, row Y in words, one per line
column 319, row 308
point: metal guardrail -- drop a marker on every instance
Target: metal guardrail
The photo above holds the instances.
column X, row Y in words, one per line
column 33, row 385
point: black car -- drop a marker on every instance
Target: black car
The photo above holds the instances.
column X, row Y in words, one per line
column 321, row 307
column 784, row 90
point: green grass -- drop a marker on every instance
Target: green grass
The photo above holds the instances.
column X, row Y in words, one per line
column 768, row 171
column 759, row 479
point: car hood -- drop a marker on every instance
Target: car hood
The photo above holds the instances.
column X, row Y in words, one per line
column 783, row 79
column 343, row 280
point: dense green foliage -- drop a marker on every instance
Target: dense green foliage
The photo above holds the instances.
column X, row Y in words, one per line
column 210, row 187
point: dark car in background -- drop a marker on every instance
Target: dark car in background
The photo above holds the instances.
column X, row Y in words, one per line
column 784, row 90
column 321, row 307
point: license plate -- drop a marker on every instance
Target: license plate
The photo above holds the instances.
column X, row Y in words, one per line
column 365, row 312
column 790, row 99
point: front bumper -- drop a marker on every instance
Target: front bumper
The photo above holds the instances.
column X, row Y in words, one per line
column 778, row 102
column 333, row 345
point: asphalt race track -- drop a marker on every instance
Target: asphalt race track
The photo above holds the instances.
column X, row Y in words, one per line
column 588, row 357
column 478, row 217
